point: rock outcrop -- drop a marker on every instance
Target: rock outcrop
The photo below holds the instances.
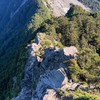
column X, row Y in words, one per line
column 60, row 7
column 53, row 79
column 45, row 74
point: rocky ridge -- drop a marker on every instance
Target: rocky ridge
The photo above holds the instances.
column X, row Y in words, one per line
column 45, row 74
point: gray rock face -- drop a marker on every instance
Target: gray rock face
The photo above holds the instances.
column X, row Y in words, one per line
column 51, row 96
column 53, row 79
column 48, row 72
column 60, row 7
column 70, row 51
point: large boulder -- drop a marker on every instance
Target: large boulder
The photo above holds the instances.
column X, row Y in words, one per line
column 50, row 95
column 53, row 79
column 70, row 51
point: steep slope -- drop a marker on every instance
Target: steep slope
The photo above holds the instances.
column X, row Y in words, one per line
column 55, row 70
column 16, row 33
column 60, row 7
column 10, row 7
column 47, row 72
column 20, row 23
column 93, row 4
column 49, row 67
column 14, row 28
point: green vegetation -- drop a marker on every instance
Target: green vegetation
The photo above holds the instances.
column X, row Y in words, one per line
column 79, row 94
column 78, row 28
column 82, row 30
column 48, row 41
column 13, row 52
column 82, row 95
column 74, row 10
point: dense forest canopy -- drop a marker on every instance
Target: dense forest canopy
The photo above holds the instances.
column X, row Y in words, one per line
column 82, row 30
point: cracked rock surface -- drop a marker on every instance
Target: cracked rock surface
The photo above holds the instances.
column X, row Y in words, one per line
column 48, row 73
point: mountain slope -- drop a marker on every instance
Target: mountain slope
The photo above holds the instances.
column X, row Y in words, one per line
column 14, row 38
column 59, row 71
column 48, row 67
column 20, row 23
column 53, row 71
column 60, row 7
column 9, row 7
column 93, row 4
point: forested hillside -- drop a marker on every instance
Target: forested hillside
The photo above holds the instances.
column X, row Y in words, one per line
column 14, row 38
column 82, row 30
column 77, row 28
